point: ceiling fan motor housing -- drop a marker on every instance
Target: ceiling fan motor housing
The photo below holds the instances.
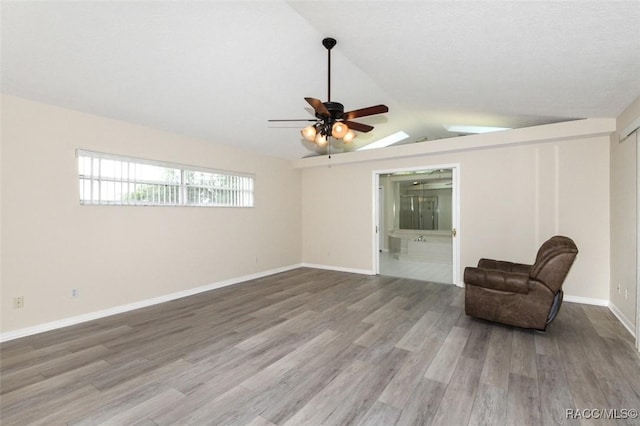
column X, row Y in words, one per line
column 336, row 110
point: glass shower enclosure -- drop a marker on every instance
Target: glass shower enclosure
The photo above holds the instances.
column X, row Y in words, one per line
column 418, row 212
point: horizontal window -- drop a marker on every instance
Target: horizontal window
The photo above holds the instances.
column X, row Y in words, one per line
column 108, row 179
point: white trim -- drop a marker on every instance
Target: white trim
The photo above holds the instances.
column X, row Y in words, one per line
column 339, row 269
column 586, row 300
column 626, row 132
column 53, row 325
column 455, row 219
column 602, row 302
column 455, row 213
column 380, row 224
column 375, row 175
column 376, row 221
column 637, row 318
column 623, row 319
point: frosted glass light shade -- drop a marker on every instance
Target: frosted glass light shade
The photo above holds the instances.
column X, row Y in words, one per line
column 309, row 133
column 321, row 139
column 349, row 136
column 338, row 130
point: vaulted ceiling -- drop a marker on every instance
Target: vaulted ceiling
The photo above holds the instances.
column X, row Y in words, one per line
column 219, row 70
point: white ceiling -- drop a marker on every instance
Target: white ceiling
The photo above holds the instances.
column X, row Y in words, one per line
column 219, row 70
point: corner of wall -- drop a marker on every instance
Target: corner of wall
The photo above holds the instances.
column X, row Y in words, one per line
column 631, row 328
column 623, row 285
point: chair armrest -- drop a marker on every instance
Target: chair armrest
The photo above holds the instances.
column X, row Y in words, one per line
column 501, row 265
column 512, row 282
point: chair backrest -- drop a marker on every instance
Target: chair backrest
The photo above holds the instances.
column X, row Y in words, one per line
column 553, row 261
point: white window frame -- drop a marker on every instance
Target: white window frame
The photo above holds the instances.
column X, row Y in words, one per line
column 215, row 188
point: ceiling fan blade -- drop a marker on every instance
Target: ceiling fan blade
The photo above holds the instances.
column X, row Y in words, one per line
column 296, row 119
column 364, row 128
column 318, row 106
column 364, row 112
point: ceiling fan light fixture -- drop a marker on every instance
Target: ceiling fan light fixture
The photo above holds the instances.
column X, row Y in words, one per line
column 309, row 133
column 339, row 130
column 349, row 136
column 331, row 119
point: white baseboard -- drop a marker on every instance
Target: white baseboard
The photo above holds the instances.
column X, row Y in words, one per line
column 602, row 302
column 53, row 325
column 623, row 319
column 339, row 269
column 585, row 300
column 28, row 331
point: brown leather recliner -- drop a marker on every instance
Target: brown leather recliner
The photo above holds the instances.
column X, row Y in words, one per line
column 527, row 296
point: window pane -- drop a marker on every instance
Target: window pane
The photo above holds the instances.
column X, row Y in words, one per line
column 111, row 179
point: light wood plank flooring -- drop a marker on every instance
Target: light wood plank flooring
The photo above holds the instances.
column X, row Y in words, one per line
column 310, row 347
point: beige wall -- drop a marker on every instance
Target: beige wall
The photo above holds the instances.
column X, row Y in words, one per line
column 513, row 197
column 517, row 189
column 120, row 255
column 624, row 232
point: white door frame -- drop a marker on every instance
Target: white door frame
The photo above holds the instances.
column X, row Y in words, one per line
column 380, row 217
column 455, row 213
column 637, row 137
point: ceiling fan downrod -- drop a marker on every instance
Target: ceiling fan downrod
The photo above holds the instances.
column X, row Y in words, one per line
column 329, row 43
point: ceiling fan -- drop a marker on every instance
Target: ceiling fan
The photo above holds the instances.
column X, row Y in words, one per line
column 331, row 120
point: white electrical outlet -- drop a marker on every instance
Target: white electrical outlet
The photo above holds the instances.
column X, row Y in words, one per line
column 75, row 292
column 18, row 302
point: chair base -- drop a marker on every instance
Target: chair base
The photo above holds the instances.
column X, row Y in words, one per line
column 529, row 311
column 555, row 307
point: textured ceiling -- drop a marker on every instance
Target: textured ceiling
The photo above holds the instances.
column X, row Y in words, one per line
column 220, row 70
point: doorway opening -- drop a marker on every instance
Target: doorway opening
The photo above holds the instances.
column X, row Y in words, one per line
column 416, row 223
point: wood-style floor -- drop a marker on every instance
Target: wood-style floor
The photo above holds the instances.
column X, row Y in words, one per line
column 310, row 347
